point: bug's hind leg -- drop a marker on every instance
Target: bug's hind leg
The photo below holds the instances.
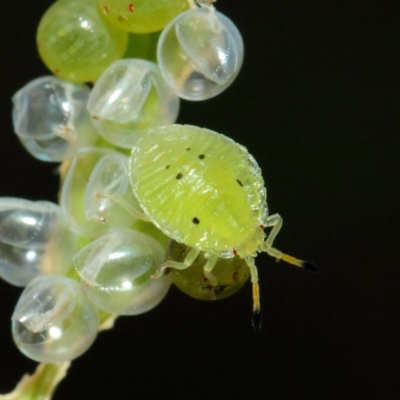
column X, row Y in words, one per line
column 186, row 263
column 275, row 222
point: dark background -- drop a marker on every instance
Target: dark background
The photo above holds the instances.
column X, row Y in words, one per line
column 317, row 104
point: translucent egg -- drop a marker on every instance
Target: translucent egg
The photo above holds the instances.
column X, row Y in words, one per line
column 51, row 120
column 129, row 98
column 53, row 321
column 34, row 240
column 75, row 41
column 200, row 53
column 205, row 3
column 116, row 271
column 86, row 209
column 108, row 180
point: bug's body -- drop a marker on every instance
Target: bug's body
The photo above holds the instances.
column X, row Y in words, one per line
column 206, row 191
column 200, row 188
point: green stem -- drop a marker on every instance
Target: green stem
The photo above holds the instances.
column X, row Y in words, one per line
column 41, row 384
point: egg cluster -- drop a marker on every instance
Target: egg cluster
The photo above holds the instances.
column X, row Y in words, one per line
column 119, row 69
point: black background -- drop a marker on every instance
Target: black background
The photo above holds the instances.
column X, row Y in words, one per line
column 317, row 104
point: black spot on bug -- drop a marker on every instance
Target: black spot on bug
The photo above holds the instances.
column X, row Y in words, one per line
column 195, row 220
column 201, row 156
column 188, row 149
column 239, row 182
column 167, row 167
column 179, row 176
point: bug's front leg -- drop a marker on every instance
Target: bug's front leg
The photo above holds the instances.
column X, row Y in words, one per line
column 275, row 222
column 186, row 263
column 208, row 267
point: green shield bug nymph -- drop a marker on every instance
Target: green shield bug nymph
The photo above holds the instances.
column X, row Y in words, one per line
column 206, row 191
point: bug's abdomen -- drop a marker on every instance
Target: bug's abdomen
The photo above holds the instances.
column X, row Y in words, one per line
column 199, row 189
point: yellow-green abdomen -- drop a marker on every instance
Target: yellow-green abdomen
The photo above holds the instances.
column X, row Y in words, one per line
column 199, row 187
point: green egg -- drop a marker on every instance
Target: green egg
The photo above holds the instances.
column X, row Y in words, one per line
column 141, row 16
column 76, row 42
column 231, row 274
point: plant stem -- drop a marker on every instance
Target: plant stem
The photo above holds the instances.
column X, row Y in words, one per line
column 41, row 384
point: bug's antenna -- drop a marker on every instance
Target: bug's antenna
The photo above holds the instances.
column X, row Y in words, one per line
column 256, row 318
column 309, row 266
column 306, row 265
column 275, row 222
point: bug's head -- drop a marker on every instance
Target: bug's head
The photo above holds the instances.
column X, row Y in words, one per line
column 253, row 244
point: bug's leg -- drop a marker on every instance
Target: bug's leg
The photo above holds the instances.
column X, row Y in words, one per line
column 275, row 222
column 186, row 263
column 124, row 204
column 256, row 319
column 208, row 267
